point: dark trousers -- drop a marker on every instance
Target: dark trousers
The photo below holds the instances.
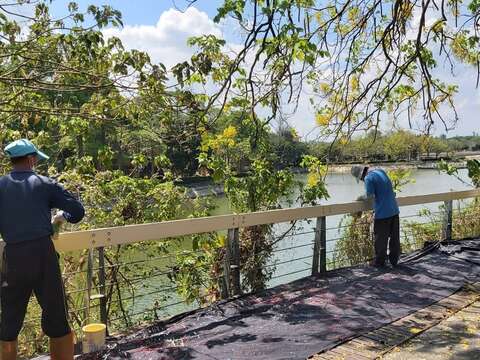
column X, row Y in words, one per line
column 32, row 267
column 385, row 230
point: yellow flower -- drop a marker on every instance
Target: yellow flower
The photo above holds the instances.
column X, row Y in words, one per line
column 230, row 132
column 343, row 140
column 312, row 179
column 215, row 145
column 415, row 330
column 323, row 119
column 354, row 83
column 294, row 133
column 324, row 88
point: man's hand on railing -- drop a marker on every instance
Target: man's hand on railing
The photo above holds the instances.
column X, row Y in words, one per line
column 57, row 221
column 358, row 214
column 59, row 218
column 363, row 197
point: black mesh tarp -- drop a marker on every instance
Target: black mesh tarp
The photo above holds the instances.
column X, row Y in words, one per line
column 299, row 319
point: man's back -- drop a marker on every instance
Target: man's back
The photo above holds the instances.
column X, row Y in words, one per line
column 31, row 263
column 27, row 198
column 378, row 184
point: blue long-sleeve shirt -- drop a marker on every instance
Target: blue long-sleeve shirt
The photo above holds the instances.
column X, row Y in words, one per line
column 378, row 185
column 26, row 201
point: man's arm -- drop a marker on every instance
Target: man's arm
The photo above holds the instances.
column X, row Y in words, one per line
column 60, row 198
column 369, row 190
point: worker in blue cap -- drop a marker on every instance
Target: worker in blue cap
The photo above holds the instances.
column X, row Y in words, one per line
column 30, row 262
column 387, row 223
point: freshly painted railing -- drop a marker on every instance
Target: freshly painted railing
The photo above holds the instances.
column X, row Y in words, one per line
column 156, row 231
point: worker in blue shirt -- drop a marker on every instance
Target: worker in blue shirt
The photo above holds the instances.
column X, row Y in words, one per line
column 30, row 262
column 386, row 224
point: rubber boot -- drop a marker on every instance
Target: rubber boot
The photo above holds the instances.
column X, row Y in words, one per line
column 62, row 348
column 9, row 350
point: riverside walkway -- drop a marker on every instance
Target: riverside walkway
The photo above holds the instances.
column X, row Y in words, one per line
column 456, row 337
column 312, row 315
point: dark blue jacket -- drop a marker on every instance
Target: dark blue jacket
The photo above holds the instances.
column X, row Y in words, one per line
column 26, row 201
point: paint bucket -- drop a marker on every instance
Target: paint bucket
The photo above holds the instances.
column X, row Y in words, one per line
column 93, row 337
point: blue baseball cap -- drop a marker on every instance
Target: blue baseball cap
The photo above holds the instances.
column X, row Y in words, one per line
column 23, row 147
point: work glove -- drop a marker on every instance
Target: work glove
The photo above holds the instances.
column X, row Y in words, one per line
column 59, row 218
column 358, row 214
column 362, row 198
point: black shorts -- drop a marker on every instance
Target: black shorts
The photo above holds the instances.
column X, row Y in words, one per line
column 32, row 267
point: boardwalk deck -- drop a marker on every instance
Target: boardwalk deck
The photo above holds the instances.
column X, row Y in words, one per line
column 386, row 342
column 305, row 317
column 457, row 337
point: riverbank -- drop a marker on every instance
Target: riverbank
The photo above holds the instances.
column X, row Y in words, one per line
column 430, row 165
column 205, row 186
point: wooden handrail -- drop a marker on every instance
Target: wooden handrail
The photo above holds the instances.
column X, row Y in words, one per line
column 88, row 239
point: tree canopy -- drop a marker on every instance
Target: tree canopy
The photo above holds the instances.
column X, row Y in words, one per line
column 365, row 60
column 76, row 92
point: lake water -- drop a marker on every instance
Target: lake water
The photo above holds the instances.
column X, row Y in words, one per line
column 344, row 188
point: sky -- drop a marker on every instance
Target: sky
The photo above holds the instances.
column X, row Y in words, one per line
column 162, row 27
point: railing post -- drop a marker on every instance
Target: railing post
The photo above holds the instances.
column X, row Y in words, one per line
column 234, row 249
column 101, row 280
column 226, row 270
column 231, row 264
column 448, row 220
column 222, row 284
column 316, row 250
column 89, row 285
column 319, row 263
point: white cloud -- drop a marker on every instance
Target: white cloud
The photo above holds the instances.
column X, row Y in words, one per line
column 166, row 42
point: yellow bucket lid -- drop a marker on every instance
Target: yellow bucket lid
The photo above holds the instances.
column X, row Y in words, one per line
column 93, row 328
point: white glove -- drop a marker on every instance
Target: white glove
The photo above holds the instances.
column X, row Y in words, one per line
column 59, row 218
